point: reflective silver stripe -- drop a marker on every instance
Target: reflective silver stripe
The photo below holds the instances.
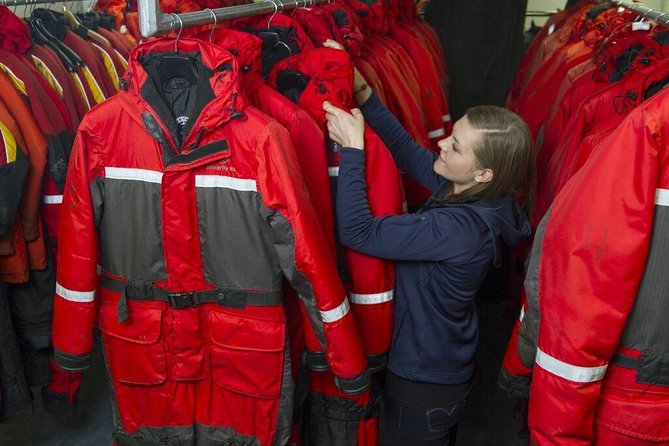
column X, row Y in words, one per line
column 333, row 171
column 74, row 296
column 436, row 133
column 122, row 173
column 336, row 313
column 242, row 184
column 371, row 299
column 52, row 199
column 522, row 313
column 662, row 197
column 446, row 118
column 567, row 371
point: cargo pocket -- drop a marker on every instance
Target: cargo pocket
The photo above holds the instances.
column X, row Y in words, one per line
column 134, row 349
column 246, row 354
column 631, row 408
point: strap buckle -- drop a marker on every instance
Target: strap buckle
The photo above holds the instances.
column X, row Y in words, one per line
column 181, row 300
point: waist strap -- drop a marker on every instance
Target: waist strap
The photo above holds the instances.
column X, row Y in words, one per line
column 146, row 291
column 652, row 367
column 623, row 360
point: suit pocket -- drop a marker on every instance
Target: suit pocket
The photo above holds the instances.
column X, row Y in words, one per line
column 134, row 349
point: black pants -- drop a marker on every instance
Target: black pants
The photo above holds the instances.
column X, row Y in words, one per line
column 420, row 423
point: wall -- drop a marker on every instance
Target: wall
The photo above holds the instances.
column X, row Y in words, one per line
column 552, row 5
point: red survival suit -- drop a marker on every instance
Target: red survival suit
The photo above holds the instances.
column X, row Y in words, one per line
column 309, row 79
column 195, row 213
column 598, row 303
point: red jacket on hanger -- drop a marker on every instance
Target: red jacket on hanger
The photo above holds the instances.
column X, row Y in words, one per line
column 598, row 303
column 189, row 295
column 328, row 75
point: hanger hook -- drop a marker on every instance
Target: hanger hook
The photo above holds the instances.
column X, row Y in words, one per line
column 181, row 28
column 213, row 14
column 290, row 52
column 276, row 9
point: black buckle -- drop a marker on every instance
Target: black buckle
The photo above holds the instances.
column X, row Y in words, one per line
column 181, row 300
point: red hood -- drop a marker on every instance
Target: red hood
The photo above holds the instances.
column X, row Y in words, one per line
column 14, row 33
column 246, row 48
column 407, row 10
column 224, row 82
column 373, row 15
column 350, row 26
column 318, row 24
column 258, row 23
column 331, row 73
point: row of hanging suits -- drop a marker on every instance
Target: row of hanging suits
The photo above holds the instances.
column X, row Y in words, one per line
column 590, row 347
column 53, row 69
column 151, row 290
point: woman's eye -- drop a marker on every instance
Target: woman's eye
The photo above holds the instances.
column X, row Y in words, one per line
column 453, row 147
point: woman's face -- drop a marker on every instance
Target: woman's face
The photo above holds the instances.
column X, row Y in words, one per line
column 457, row 161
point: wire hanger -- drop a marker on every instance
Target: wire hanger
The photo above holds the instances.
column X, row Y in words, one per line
column 276, row 9
column 660, row 18
column 181, row 28
column 213, row 14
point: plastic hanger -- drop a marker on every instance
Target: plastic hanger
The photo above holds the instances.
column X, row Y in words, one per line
column 178, row 64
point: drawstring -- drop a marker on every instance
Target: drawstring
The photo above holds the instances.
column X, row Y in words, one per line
column 236, row 114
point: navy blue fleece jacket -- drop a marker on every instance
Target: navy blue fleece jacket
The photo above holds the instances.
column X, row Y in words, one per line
column 442, row 253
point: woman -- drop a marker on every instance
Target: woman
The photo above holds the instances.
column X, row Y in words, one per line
column 442, row 252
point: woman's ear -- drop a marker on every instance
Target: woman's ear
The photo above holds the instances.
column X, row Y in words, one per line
column 484, row 176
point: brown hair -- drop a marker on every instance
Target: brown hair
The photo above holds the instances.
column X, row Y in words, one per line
column 504, row 146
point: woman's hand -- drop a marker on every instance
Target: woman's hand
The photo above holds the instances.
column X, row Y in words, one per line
column 329, row 43
column 346, row 129
column 361, row 90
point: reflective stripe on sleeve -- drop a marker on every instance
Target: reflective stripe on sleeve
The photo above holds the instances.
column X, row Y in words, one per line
column 522, row 313
column 662, row 197
column 333, row 171
column 336, row 313
column 370, row 299
column 241, row 184
column 567, row 371
column 436, row 133
column 446, row 118
column 120, row 173
column 52, row 199
column 74, row 296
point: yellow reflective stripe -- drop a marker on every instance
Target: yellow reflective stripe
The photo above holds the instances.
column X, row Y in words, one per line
column 109, row 66
column 124, row 63
column 10, row 143
column 48, row 75
column 18, row 83
column 81, row 89
column 98, row 95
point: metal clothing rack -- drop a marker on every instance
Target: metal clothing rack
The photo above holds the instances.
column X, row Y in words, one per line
column 12, row 3
column 153, row 22
column 659, row 17
column 540, row 13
